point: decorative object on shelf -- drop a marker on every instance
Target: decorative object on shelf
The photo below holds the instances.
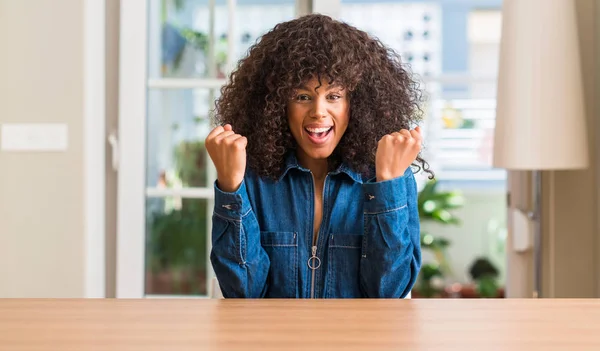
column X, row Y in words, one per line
column 467, row 291
column 451, row 116
column 535, row 99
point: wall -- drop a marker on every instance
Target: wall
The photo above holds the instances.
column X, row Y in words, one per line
column 596, row 145
column 571, row 208
column 41, row 195
column 519, row 265
column 570, row 225
column 112, row 125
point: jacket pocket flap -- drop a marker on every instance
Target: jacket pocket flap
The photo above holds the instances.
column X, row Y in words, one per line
column 345, row 241
column 278, row 239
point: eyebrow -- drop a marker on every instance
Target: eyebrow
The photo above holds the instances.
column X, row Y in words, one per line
column 331, row 87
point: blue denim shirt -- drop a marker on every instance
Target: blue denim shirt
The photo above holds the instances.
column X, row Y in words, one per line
column 368, row 243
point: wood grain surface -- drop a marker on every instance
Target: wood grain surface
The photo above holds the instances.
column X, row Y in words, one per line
column 197, row 324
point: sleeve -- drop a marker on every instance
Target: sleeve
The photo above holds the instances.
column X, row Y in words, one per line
column 238, row 259
column 391, row 252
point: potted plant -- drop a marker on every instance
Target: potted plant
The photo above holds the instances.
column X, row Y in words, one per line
column 435, row 206
column 176, row 241
column 191, row 158
column 177, row 250
column 179, row 41
column 485, row 276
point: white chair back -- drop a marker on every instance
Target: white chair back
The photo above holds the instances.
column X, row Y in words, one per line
column 215, row 289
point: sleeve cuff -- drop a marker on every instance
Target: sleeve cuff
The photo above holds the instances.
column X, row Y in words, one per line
column 385, row 196
column 232, row 205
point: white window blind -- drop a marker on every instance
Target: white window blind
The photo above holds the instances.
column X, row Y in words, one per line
column 459, row 122
column 460, row 107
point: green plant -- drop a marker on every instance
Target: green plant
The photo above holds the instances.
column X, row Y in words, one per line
column 177, row 37
column 429, row 272
column 176, row 242
column 436, row 207
column 190, row 157
column 190, row 37
column 485, row 275
column 176, row 245
column 195, row 38
column 178, row 5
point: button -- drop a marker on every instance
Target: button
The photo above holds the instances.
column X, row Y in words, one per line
column 369, row 197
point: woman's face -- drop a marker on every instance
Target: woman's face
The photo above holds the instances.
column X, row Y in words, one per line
column 318, row 119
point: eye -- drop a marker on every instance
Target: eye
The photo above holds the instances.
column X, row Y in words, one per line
column 302, row 97
column 335, row 96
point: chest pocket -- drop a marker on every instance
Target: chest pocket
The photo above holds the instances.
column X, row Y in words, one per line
column 282, row 248
column 343, row 269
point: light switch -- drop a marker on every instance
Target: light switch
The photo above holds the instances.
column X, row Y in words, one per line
column 522, row 231
column 34, row 137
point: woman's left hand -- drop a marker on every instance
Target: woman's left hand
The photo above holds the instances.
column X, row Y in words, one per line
column 396, row 152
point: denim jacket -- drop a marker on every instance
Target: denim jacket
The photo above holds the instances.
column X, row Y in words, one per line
column 368, row 243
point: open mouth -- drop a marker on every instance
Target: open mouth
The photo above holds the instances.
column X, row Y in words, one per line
column 318, row 132
column 318, row 135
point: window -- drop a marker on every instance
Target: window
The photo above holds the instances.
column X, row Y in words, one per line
column 452, row 49
column 192, row 46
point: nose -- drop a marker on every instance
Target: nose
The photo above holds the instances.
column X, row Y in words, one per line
column 318, row 110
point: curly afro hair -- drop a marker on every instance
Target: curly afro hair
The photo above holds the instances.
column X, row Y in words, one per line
column 383, row 97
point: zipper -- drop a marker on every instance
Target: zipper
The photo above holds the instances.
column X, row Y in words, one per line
column 314, row 262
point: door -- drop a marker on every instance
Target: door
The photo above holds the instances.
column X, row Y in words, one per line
column 174, row 57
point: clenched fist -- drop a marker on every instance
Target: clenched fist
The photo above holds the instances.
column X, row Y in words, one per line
column 396, row 152
column 227, row 150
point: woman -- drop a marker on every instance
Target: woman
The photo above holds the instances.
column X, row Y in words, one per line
column 315, row 194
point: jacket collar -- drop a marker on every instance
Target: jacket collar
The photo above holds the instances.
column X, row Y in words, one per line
column 292, row 162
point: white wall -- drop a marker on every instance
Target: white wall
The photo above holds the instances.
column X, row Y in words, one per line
column 41, row 194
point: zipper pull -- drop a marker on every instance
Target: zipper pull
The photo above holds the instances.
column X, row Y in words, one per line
column 314, row 262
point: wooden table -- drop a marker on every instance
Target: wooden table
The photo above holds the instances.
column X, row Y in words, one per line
column 365, row 325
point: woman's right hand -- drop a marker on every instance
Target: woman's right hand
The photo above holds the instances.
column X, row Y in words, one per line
column 227, row 150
